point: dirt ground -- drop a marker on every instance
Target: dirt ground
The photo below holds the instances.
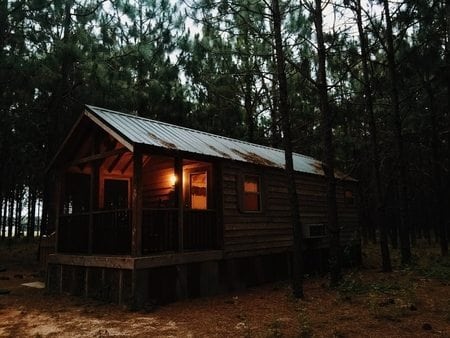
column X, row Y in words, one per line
column 406, row 303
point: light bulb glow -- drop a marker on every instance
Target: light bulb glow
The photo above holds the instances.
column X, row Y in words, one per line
column 173, row 179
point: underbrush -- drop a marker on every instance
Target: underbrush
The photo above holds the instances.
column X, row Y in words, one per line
column 392, row 296
column 20, row 250
column 436, row 267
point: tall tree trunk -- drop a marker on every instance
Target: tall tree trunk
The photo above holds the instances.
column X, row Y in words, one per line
column 274, row 112
column 297, row 275
column 4, row 218
column 39, row 219
column 405, row 245
column 31, row 213
column 248, row 105
column 18, row 218
column 380, row 215
column 1, row 214
column 248, row 82
column 57, row 106
column 437, row 175
column 447, row 71
column 11, row 215
column 142, row 108
column 328, row 149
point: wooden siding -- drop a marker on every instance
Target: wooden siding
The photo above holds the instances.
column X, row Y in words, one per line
column 312, row 192
column 158, row 191
column 251, row 233
column 270, row 231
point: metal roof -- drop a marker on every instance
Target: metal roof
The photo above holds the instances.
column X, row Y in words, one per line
column 139, row 130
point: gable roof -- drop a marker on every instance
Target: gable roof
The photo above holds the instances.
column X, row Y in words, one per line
column 131, row 130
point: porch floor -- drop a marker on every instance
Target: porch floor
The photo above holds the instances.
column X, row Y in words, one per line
column 135, row 263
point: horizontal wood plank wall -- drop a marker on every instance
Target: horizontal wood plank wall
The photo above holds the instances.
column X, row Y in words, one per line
column 268, row 231
column 247, row 234
column 312, row 192
column 156, row 182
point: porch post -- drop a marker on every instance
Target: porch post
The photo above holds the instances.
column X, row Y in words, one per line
column 136, row 199
column 218, row 193
column 57, row 204
column 93, row 205
column 179, row 193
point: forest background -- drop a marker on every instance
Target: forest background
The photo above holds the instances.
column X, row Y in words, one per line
column 366, row 88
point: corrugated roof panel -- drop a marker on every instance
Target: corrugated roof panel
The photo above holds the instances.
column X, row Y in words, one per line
column 161, row 134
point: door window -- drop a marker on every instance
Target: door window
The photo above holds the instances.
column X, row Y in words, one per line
column 198, row 190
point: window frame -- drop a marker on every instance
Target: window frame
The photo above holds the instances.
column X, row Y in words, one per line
column 102, row 194
column 349, row 201
column 198, row 172
column 259, row 193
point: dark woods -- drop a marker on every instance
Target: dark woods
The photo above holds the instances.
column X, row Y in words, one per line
column 364, row 84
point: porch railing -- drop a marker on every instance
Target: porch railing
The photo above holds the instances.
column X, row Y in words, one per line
column 111, row 231
column 73, row 233
column 200, row 229
column 159, row 230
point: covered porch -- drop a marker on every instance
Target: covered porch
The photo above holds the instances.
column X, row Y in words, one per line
column 128, row 200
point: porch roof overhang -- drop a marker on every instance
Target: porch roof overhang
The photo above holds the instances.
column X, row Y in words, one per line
column 134, row 131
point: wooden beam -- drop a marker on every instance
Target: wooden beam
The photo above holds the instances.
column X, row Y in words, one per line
column 110, row 130
column 114, row 262
column 58, row 203
column 86, row 281
column 136, row 263
column 120, row 287
column 115, row 162
column 136, row 199
column 125, row 167
column 93, row 205
column 99, row 156
column 177, row 259
column 180, row 203
column 94, row 194
column 217, row 192
column 146, row 160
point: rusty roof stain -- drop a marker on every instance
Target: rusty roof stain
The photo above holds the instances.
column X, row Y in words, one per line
column 255, row 158
column 225, row 155
column 164, row 143
column 318, row 168
column 139, row 130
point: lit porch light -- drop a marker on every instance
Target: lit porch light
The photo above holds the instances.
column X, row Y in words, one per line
column 173, row 179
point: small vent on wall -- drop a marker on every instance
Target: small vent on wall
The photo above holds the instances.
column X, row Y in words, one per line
column 317, row 230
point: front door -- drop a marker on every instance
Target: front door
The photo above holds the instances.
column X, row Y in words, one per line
column 116, row 194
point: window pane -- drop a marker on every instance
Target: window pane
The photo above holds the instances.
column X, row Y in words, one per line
column 348, row 196
column 251, row 187
column 251, row 184
column 252, row 201
column 199, row 191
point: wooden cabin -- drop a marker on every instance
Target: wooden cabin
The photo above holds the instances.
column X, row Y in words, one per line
column 148, row 211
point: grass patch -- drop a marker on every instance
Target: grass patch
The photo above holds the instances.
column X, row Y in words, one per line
column 437, row 268
column 275, row 329
column 352, row 284
column 387, row 297
column 426, row 260
column 19, row 249
column 306, row 330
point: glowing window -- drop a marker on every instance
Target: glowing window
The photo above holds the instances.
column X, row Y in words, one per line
column 252, row 194
column 348, row 197
column 198, row 188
